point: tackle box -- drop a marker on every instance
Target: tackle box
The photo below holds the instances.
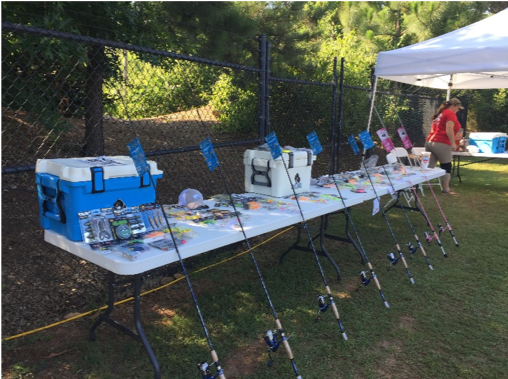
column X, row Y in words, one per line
column 67, row 186
column 493, row 143
column 266, row 176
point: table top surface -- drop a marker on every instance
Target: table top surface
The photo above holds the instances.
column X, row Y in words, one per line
column 255, row 223
column 480, row 155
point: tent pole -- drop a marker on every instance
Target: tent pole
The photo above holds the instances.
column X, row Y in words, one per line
column 449, row 90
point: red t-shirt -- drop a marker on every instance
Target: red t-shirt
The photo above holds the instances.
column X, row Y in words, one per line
column 438, row 128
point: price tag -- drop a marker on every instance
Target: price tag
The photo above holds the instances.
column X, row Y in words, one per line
column 375, row 206
column 209, row 153
column 385, row 139
column 405, row 138
column 366, row 139
column 138, row 156
column 273, row 144
column 314, row 143
column 352, row 142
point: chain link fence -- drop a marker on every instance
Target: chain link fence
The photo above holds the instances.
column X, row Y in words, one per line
column 75, row 96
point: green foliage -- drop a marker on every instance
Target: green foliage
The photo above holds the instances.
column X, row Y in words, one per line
column 235, row 103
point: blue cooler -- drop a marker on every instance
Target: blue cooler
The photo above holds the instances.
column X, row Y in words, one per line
column 492, row 143
column 70, row 185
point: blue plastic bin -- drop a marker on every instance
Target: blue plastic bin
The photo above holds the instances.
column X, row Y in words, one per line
column 492, row 143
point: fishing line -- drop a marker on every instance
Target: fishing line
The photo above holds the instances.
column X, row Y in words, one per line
column 273, row 338
column 203, row 367
column 321, row 303
column 448, row 226
column 364, row 278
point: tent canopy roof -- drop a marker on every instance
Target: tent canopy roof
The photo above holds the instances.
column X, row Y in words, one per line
column 472, row 57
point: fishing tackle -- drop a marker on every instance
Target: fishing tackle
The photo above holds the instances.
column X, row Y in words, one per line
column 274, row 345
column 401, row 256
column 213, row 353
column 364, row 279
column 411, row 249
column 271, row 339
column 305, row 226
column 323, row 306
column 204, row 368
column 431, row 190
column 441, row 228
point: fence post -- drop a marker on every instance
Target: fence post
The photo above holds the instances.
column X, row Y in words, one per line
column 267, row 89
column 261, row 87
column 341, row 103
column 331, row 171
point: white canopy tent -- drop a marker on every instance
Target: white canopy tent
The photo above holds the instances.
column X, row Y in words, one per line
column 473, row 57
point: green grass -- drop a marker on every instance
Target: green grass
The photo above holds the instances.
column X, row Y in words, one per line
column 453, row 323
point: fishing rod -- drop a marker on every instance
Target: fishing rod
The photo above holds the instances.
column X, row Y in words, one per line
column 204, row 367
column 391, row 256
column 272, row 142
column 272, row 338
column 440, row 226
column 412, row 249
column 365, row 280
column 428, row 236
column 448, row 226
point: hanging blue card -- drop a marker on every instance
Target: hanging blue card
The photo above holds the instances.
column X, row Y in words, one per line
column 209, row 154
column 314, row 143
column 366, row 139
column 353, row 144
column 273, row 144
column 138, row 156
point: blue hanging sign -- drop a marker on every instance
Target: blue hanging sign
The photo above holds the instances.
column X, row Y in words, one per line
column 273, row 144
column 138, row 156
column 314, row 143
column 366, row 139
column 353, row 144
column 209, row 153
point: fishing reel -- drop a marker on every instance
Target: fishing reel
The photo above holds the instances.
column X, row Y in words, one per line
column 365, row 280
column 323, row 306
column 428, row 237
column 411, row 248
column 441, row 228
column 204, row 368
column 393, row 260
column 273, row 343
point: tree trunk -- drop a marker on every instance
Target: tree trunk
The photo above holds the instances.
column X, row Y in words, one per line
column 94, row 139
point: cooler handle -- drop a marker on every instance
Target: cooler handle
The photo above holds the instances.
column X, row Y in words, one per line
column 262, row 173
column 51, row 182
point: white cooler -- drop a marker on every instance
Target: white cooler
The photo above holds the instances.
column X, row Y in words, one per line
column 266, row 176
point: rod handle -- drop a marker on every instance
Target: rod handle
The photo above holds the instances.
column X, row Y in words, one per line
column 215, row 359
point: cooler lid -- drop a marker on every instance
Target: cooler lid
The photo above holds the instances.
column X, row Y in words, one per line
column 78, row 169
column 486, row 136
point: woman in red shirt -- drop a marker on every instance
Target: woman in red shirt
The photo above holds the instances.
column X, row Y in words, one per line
column 441, row 139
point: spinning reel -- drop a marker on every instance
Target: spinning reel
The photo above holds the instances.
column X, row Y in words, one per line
column 441, row 228
column 393, row 260
column 204, row 368
column 323, row 306
column 365, row 280
column 411, row 248
column 428, row 237
column 271, row 339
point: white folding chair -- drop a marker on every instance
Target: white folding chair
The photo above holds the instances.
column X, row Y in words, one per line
column 408, row 194
column 417, row 151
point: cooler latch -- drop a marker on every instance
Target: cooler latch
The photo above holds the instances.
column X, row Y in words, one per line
column 262, row 173
column 97, row 179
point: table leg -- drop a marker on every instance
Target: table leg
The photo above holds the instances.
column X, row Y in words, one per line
column 105, row 317
column 323, row 251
